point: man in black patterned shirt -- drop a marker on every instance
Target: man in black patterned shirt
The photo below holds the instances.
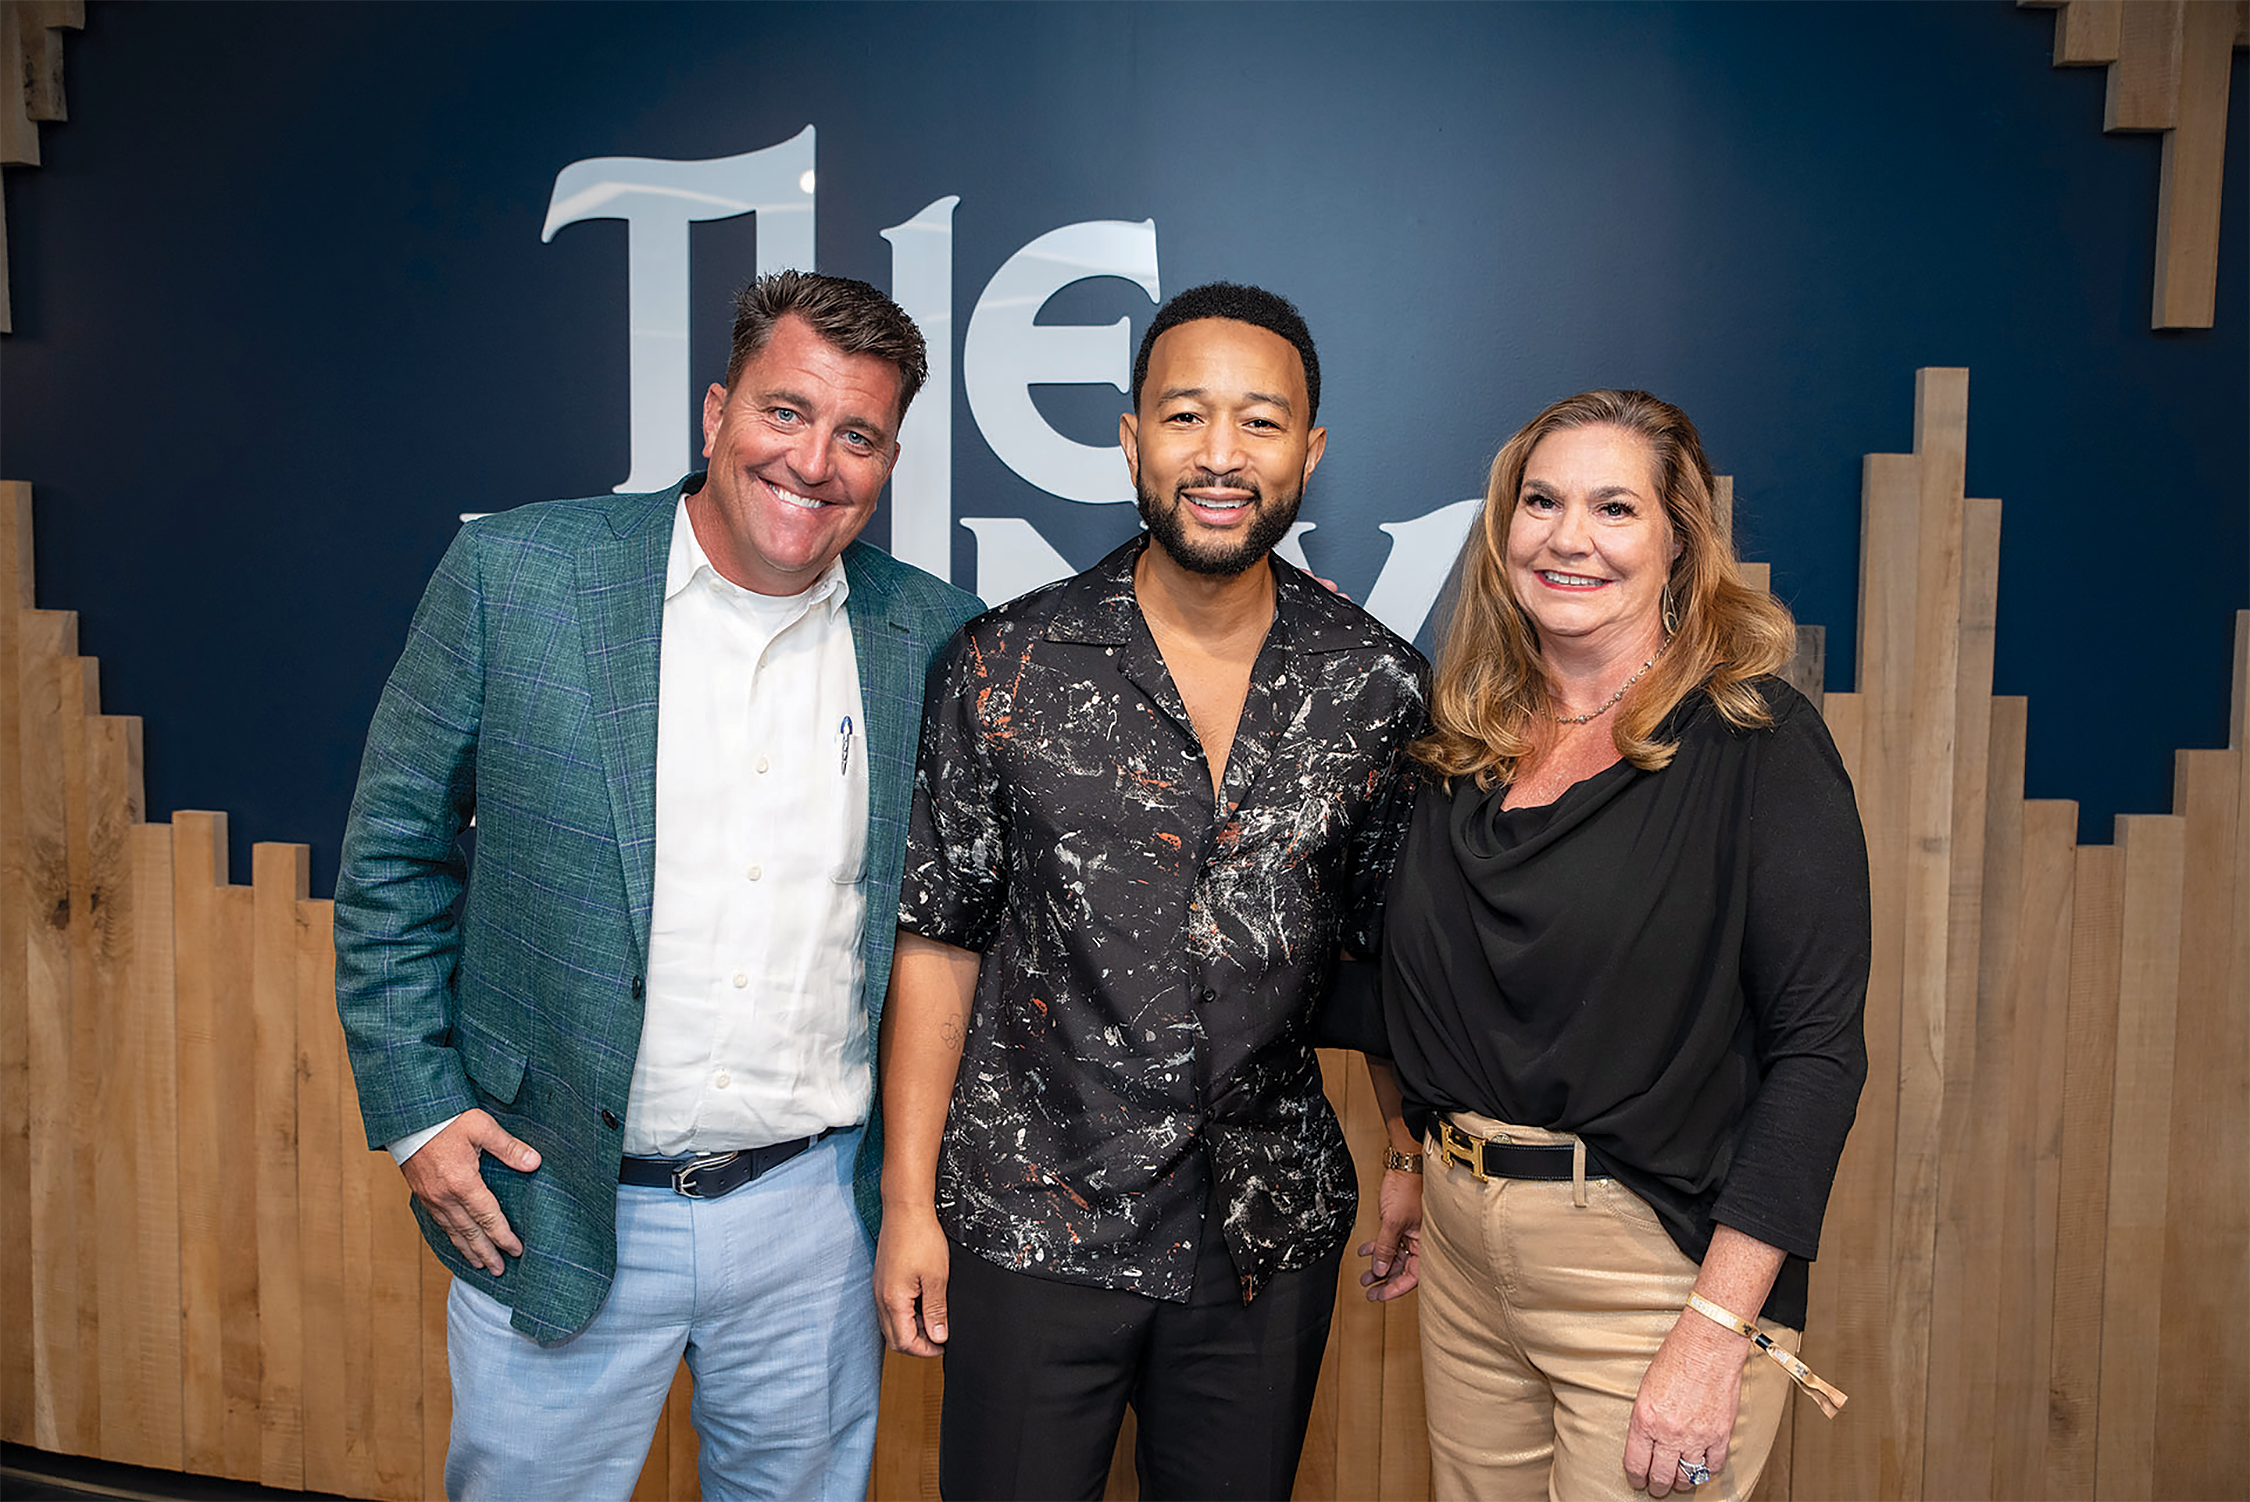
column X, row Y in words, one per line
column 1154, row 801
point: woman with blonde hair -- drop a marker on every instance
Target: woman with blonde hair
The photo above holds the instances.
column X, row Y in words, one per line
column 1624, row 967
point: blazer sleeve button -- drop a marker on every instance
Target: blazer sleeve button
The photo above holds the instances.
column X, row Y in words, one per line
column 609, row 1119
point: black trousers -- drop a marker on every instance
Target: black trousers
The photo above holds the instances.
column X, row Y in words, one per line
column 1038, row 1373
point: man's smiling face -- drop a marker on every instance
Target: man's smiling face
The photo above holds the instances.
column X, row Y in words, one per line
column 800, row 446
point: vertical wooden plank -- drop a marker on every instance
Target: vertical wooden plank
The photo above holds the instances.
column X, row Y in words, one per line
column 1406, row 1431
column 1777, row 1482
column 395, row 1336
column 906, row 1430
column 117, row 1059
column 1941, row 400
column 154, row 1127
column 1356, row 1335
column 199, row 873
column 2203, row 1373
column 2148, row 974
column 47, row 641
column 241, row 1341
column 2040, row 980
column 2082, row 1202
column 437, row 1378
column 2144, row 82
column 654, row 1484
column 1848, row 1329
column 19, row 136
column 80, row 1119
column 687, row 1480
column 2189, row 195
column 1316, row 1468
column 320, row 1219
column 358, row 1172
column 280, row 877
column 2086, row 32
column 1957, row 1458
column 16, row 1327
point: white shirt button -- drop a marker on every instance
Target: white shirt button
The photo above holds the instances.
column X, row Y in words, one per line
column 755, row 872
column 740, row 980
column 762, row 764
column 722, row 1079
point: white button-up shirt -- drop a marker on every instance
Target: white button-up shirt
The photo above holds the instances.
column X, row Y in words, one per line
column 754, row 1032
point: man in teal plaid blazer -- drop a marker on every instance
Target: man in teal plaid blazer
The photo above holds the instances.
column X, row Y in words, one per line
column 494, row 1031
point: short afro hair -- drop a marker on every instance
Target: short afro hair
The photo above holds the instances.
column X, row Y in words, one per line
column 1252, row 305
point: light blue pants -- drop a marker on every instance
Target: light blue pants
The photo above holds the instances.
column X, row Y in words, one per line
column 769, row 1293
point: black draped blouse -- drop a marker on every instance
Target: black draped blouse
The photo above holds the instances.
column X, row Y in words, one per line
column 1671, row 964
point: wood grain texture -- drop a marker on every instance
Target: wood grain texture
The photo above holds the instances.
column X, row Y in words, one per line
column 1941, row 399
column 654, row 1484
column 153, row 1125
column 2086, row 32
column 320, row 1170
column 2144, row 82
column 1405, row 1425
column 199, row 873
column 2039, row 982
column 47, row 641
column 2152, row 847
column 241, row 1336
column 2189, row 195
column 1957, row 1456
column 19, row 133
column 359, row 1172
column 395, row 1337
column 1851, row 1332
column 2082, row 1203
column 280, row 878
column 80, row 1120
column 16, row 1327
column 2203, row 1370
column 687, row 1481
column 906, row 1429
column 436, row 1377
column 120, row 1069
column 1355, row 1339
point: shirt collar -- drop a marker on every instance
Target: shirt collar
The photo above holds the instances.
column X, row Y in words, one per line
column 1100, row 608
column 688, row 561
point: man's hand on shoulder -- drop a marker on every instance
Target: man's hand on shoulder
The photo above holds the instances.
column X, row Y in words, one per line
column 911, row 1264
column 443, row 1175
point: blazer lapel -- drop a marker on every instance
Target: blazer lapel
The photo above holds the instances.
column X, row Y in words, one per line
column 887, row 645
column 621, row 612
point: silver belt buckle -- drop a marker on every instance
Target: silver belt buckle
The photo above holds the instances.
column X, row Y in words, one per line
column 683, row 1177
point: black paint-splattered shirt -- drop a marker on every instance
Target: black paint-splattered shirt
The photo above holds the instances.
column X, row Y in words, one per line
column 1140, row 1048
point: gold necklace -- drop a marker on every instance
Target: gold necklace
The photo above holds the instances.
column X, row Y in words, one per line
column 1611, row 702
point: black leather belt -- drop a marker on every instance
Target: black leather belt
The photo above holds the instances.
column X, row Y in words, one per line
column 709, row 1175
column 1490, row 1158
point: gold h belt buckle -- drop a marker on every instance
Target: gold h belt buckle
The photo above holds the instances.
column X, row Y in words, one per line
column 1457, row 1146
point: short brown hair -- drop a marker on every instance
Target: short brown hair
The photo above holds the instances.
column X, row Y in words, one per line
column 1491, row 688
column 850, row 315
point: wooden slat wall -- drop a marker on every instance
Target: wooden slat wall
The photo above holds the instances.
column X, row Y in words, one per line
column 2168, row 63
column 2054, row 1144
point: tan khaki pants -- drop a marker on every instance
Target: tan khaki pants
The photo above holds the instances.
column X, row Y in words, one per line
column 1539, row 1318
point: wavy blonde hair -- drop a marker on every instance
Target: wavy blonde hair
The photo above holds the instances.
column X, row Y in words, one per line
column 1491, row 690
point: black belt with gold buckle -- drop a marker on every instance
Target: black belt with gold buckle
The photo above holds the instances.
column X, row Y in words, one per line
column 1491, row 1158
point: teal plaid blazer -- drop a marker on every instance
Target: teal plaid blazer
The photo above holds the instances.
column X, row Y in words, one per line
column 526, row 696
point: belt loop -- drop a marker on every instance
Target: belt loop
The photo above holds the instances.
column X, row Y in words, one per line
column 1578, row 1172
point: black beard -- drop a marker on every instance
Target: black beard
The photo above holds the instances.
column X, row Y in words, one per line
column 1268, row 526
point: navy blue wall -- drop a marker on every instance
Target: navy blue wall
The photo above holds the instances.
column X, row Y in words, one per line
column 283, row 311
